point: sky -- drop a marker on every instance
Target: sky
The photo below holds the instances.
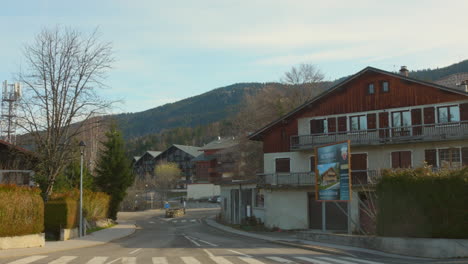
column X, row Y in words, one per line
column 166, row 51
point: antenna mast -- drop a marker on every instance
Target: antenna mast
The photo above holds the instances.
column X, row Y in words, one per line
column 11, row 93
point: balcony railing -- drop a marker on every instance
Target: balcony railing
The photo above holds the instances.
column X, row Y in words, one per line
column 287, row 178
column 364, row 177
column 395, row 135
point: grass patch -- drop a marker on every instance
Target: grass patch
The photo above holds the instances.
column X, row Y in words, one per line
column 97, row 228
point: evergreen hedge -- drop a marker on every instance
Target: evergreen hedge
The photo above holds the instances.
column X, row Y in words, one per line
column 423, row 204
column 61, row 213
column 95, row 204
column 21, row 211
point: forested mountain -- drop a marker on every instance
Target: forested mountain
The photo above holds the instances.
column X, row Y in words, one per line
column 195, row 111
column 439, row 73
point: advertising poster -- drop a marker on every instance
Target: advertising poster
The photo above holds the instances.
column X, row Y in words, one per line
column 333, row 175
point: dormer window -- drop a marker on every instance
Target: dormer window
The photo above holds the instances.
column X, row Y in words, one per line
column 385, row 87
column 371, row 88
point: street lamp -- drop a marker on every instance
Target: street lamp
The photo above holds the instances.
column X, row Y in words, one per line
column 82, row 146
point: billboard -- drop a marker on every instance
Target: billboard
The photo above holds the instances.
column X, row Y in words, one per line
column 333, row 172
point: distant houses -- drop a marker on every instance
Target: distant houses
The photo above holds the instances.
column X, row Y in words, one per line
column 16, row 165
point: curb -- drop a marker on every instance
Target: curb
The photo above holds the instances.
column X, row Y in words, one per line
column 71, row 248
column 277, row 241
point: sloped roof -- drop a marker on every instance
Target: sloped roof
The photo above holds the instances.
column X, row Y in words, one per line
column 192, row 150
column 203, row 157
column 256, row 135
column 136, row 158
column 153, row 153
column 220, row 143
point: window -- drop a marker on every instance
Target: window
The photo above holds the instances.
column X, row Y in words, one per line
column 401, row 159
column 259, row 198
column 318, row 126
column 401, row 119
column 448, row 114
column 358, row 123
column 449, row 158
column 385, row 87
column 282, row 165
column 371, row 88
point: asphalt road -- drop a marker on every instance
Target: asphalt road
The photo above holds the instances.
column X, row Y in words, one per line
column 188, row 240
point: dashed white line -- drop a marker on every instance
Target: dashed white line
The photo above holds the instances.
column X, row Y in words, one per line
column 282, row 260
column 193, row 220
column 364, row 261
column 151, row 222
column 28, row 260
column 183, row 221
column 313, row 260
column 97, row 260
column 240, row 253
column 251, row 260
column 134, row 251
column 160, row 260
column 190, row 260
column 131, row 260
column 220, row 260
column 193, row 241
column 206, row 242
column 63, row 260
column 115, row 260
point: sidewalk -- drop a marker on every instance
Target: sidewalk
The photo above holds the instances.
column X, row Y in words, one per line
column 122, row 229
column 290, row 239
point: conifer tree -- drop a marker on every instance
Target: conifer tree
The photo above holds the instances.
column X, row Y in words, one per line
column 113, row 170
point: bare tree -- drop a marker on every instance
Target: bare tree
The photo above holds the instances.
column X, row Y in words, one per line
column 63, row 70
column 302, row 74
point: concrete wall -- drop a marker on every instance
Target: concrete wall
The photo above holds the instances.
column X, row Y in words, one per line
column 286, row 209
column 66, row 234
column 299, row 161
column 27, row 241
column 199, row 190
column 416, row 247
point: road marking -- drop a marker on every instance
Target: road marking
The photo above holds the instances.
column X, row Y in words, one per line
column 206, row 242
column 281, row 260
column 313, row 260
column 97, row 260
column 151, row 222
column 209, row 253
column 193, row 220
column 115, row 260
column 220, row 260
column 361, row 260
column 28, row 260
column 190, row 260
column 239, row 253
column 160, row 260
column 134, row 251
column 251, row 260
column 193, row 241
column 183, row 221
column 129, row 260
column 338, row 260
column 175, row 221
column 63, row 260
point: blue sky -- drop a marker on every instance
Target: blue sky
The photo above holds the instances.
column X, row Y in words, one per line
column 170, row 50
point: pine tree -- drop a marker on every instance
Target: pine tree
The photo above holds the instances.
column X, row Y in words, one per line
column 113, row 170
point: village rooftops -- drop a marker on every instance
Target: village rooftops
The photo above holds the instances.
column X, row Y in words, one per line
column 220, row 143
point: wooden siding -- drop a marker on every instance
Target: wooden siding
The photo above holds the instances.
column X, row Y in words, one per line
column 353, row 97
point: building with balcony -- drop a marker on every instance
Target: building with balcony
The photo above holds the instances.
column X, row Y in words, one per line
column 143, row 167
column 391, row 120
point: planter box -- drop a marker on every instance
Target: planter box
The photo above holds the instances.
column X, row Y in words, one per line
column 26, row 241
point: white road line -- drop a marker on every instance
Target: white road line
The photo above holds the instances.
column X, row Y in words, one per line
column 338, row 260
column 281, row 260
column 129, row 260
column 206, row 242
column 193, row 220
column 97, row 260
column 208, row 252
column 28, row 259
column 151, row 222
column 190, row 260
column 175, row 221
column 251, row 260
column 193, row 241
column 134, row 251
column 220, row 260
column 239, row 253
column 63, row 260
column 115, row 260
column 160, row 260
column 362, row 260
column 183, row 221
column 313, row 260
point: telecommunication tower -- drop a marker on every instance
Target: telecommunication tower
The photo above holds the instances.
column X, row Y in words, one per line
column 11, row 93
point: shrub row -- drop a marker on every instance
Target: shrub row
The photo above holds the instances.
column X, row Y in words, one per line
column 425, row 204
column 21, row 211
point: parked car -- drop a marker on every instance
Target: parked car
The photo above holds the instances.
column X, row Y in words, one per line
column 214, row 199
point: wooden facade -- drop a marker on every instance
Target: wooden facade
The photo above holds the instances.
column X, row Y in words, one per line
column 353, row 97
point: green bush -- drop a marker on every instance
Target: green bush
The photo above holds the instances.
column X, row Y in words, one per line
column 425, row 204
column 21, row 211
column 61, row 213
column 95, row 204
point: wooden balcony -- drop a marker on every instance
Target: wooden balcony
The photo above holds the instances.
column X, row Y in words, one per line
column 396, row 135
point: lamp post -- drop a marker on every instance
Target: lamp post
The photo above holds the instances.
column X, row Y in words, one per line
column 82, row 146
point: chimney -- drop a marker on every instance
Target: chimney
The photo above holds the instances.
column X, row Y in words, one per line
column 464, row 86
column 404, row 71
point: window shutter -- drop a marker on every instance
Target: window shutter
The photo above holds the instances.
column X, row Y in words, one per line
column 332, row 125
column 342, row 124
column 405, row 159
column 383, row 123
column 312, row 164
column 313, row 127
column 416, row 121
column 464, row 112
column 371, row 121
column 396, row 160
column 465, row 156
column 430, row 156
column 429, row 115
